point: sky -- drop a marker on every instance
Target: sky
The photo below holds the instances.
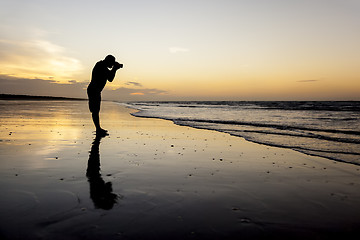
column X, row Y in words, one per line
column 183, row 50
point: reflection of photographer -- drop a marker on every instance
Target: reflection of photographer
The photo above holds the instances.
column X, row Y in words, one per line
column 100, row 192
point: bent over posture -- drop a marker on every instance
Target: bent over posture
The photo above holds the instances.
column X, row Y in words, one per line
column 100, row 75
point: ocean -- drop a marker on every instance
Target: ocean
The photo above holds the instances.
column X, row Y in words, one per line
column 328, row 129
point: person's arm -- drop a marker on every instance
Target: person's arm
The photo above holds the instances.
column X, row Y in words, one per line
column 112, row 72
column 111, row 75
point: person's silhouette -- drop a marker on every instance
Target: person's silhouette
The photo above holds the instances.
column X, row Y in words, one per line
column 100, row 192
column 100, row 75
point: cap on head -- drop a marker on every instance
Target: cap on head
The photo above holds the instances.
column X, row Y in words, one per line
column 110, row 60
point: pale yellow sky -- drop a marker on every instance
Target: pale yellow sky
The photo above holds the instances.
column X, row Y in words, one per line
column 221, row 50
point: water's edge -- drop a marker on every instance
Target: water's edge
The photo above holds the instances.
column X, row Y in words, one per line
column 245, row 138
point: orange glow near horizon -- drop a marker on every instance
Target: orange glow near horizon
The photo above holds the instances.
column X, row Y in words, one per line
column 240, row 50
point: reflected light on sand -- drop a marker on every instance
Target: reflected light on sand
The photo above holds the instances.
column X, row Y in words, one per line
column 38, row 135
column 49, row 130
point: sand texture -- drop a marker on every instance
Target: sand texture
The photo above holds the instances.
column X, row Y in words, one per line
column 151, row 179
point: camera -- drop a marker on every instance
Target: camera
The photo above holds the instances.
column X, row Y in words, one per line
column 118, row 65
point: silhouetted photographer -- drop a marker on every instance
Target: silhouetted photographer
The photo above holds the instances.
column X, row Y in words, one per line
column 102, row 72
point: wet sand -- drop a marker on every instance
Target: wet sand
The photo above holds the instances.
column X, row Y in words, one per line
column 151, row 179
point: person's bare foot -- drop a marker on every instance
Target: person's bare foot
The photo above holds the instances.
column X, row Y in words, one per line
column 101, row 131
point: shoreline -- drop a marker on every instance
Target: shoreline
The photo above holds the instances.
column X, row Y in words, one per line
column 33, row 97
column 303, row 151
column 170, row 181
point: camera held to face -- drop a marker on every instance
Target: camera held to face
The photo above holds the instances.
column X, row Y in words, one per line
column 118, row 65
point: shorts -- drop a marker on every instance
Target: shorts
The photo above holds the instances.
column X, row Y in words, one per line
column 94, row 101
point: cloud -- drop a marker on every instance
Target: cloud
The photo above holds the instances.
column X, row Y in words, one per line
column 178, row 49
column 41, row 87
column 127, row 94
column 310, row 80
column 37, row 58
column 136, row 84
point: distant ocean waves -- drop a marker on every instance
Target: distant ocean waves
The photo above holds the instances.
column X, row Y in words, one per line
column 325, row 129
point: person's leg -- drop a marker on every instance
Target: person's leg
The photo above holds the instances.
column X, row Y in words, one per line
column 94, row 107
column 96, row 120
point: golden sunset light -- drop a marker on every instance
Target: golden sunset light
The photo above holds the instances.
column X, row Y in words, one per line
column 241, row 50
column 180, row 119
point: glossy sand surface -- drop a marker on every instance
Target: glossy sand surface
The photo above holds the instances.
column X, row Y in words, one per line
column 151, row 179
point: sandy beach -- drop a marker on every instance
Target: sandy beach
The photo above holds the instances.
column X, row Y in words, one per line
column 152, row 179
